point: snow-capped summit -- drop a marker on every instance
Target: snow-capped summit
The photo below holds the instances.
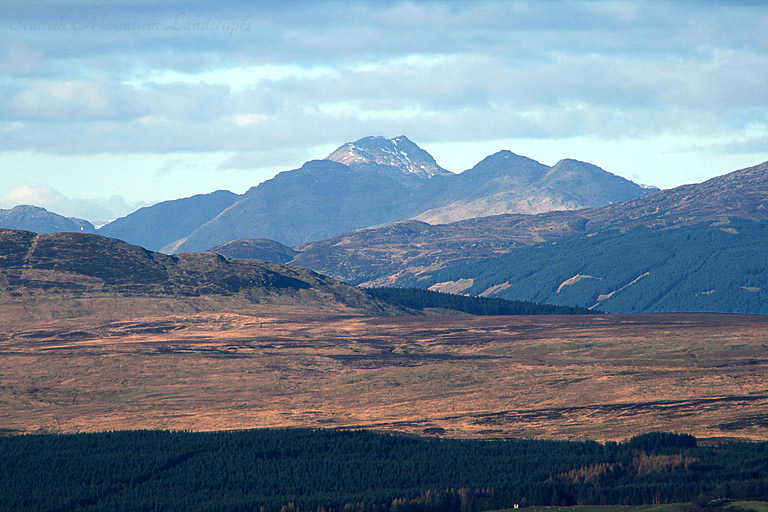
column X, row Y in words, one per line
column 398, row 152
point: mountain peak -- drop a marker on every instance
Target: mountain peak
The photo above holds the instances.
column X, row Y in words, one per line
column 509, row 164
column 399, row 152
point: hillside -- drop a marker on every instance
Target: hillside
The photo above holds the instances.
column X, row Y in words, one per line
column 40, row 220
column 399, row 253
column 701, row 267
column 719, row 224
column 62, row 273
column 154, row 227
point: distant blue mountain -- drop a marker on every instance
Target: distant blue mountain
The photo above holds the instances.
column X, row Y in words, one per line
column 154, row 227
column 40, row 220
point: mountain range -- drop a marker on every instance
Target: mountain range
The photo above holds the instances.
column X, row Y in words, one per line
column 373, row 181
column 698, row 247
column 382, row 212
column 76, row 275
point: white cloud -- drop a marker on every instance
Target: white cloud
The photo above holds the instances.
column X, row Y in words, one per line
column 264, row 81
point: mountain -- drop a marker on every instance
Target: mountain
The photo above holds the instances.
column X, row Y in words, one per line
column 508, row 183
column 72, row 270
column 399, row 158
column 40, row 220
column 316, row 201
column 156, row 226
column 256, row 249
column 376, row 181
column 360, row 184
column 373, row 181
column 697, row 247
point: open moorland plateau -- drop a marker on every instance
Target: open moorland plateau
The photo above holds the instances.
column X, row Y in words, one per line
column 604, row 377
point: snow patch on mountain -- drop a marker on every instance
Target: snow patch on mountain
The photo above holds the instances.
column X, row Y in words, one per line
column 398, row 152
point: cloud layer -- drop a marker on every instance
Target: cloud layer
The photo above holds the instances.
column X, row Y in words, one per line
column 270, row 80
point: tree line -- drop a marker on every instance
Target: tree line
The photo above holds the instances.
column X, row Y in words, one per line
column 416, row 298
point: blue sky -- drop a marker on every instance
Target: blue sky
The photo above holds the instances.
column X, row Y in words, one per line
column 104, row 108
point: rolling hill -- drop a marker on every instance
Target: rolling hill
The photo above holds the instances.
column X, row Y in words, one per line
column 72, row 274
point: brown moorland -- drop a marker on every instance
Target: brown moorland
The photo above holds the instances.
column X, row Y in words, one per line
column 604, row 377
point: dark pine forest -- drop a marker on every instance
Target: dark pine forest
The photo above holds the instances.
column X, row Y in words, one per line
column 312, row 470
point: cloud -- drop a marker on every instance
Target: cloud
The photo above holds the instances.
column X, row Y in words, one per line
column 561, row 96
column 269, row 81
column 755, row 144
column 279, row 158
column 50, row 199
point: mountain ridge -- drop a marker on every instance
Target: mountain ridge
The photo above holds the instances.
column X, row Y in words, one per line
column 421, row 247
column 509, row 183
column 375, row 181
column 75, row 268
column 419, row 254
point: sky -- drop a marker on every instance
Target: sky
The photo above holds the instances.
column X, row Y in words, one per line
column 107, row 108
